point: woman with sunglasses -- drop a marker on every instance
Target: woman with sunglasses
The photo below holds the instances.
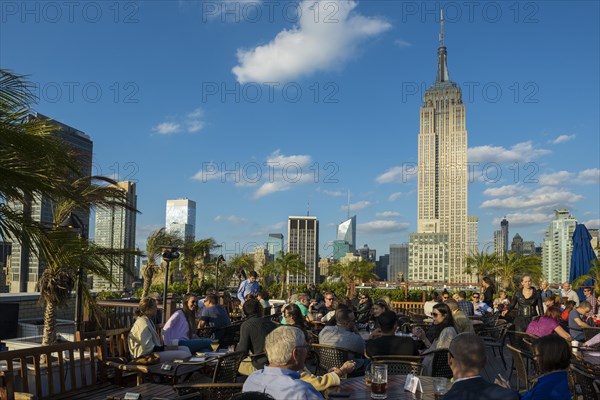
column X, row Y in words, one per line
column 379, row 307
column 443, row 333
column 180, row 329
column 293, row 317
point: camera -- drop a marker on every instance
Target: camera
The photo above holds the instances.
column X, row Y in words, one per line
column 169, row 253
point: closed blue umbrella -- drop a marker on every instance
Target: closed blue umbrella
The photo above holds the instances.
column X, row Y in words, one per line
column 582, row 256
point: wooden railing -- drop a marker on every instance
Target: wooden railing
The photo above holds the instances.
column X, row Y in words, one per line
column 404, row 307
column 116, row 314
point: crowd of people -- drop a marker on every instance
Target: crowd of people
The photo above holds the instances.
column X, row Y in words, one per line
column 276, row 352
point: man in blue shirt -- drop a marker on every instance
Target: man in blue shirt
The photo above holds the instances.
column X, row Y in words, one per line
column 249, row 286
column 214, row 316
column 286, row 349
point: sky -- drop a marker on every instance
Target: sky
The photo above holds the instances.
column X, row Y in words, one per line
column 262, row 110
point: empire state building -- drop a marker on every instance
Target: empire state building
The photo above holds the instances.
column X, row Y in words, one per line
column 438, row 250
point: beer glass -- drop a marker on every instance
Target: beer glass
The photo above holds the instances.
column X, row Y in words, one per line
column 379, row 381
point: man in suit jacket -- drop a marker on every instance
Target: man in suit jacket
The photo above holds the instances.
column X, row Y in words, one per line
column 466, row 359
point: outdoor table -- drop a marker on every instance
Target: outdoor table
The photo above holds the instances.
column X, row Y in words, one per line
column 186, row 368
column 359, row 390
column 147, row 390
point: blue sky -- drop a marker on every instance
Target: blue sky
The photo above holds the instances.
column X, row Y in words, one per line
column 256, row 109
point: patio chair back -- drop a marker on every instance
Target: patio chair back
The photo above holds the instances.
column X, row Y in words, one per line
column 227, row 367
column 519, row 364
column 439, row 365
column 396, row 367
column 584, row 382
column 327, row 357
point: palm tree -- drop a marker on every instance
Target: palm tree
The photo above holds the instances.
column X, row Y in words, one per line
column 353, row 271
column 65, row 253
column 242, row 264
column 196, row 258
column 32, row 162
column 289, row 263
column 154, row 242
column 510, row 268
column 482, row 264
column 593, row 274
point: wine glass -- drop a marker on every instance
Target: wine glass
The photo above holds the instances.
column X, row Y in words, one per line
column 371, row 325
column 215, row 345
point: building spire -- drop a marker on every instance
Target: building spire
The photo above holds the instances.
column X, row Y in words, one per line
column 442, row 72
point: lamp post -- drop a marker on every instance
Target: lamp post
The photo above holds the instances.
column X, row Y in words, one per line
column 73, row 223
column 169, row 253
column 220, row 259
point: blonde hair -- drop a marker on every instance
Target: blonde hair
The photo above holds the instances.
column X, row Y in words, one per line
column 146, row 304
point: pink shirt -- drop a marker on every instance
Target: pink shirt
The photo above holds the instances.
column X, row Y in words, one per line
column 543, row 326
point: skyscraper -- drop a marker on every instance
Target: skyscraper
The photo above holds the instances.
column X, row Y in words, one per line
column 181, row 218
column 398, row 262
column 303, row 239
column 346, row 231
column 275, row 245
column 517, row 245
column 115, row 229
column 442, row 179
column 558, row 246
column 25, row 267
column 501, row 239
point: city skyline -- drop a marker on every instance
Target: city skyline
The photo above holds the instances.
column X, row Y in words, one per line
column 178, row 112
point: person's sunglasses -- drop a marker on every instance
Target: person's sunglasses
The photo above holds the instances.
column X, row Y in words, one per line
column 329, row 299
column 434, row 314
column 194, row 302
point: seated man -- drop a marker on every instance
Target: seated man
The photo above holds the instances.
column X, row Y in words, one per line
column 345, row 335
column 214, row 316
column 479, row 307
column 466, row 359
column 463, row 305
column 388, row 343
column 302, row 300
column 461, row 322
column 286, row 349
column 577, row 320
column 253, row 332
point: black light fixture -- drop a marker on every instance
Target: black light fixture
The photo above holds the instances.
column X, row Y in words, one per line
column 73, row 223
column 169, row 253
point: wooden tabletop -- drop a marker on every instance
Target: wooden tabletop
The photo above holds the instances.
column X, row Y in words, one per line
column 395, row 388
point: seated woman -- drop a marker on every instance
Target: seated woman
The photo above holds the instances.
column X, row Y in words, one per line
column 143, row 339
column 293, row 317
column 553, row 357
column 363, row 311
column 547, row 324
column 444, row 332
column 379, row 307
column 180, row 329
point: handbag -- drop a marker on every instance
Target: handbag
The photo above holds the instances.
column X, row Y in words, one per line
column 149, row 359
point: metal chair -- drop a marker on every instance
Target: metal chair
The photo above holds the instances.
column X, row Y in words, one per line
column 227, row 367
column 207, row 391
column 518, row 363
column 327, row 357
column 396, row 367
column 584, row 382
column 439, row 365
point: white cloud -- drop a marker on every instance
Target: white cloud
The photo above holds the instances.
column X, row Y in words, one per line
column 269, row 188
column 235, row 220
column 337, row 193
column 394, row 196
column 278, row 160
column 265, row 230
column 380, row 226
column 520, row 152
column 402, row 43
column 562, row 139
column 503, row 191
column 525, row 219
column 592, row 223
column 387, row 214
column 324, row 38
column 589, row 176
column 398, row 174
column 555, row 178
column 542, row 197
column 165, row 128
column 192, row 122
column 359, row 205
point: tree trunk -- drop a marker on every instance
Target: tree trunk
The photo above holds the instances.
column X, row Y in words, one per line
column 282, row 286
column 49, row 336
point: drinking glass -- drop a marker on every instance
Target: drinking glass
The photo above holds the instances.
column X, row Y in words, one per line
column 215, row 345
column 440, row 386
column 379, row 381
column 368, row 376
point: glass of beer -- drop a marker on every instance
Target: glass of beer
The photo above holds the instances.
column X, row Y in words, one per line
column 379, row 381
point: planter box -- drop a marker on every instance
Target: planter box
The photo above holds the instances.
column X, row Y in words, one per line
column 33, row 341
column 35, row 327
